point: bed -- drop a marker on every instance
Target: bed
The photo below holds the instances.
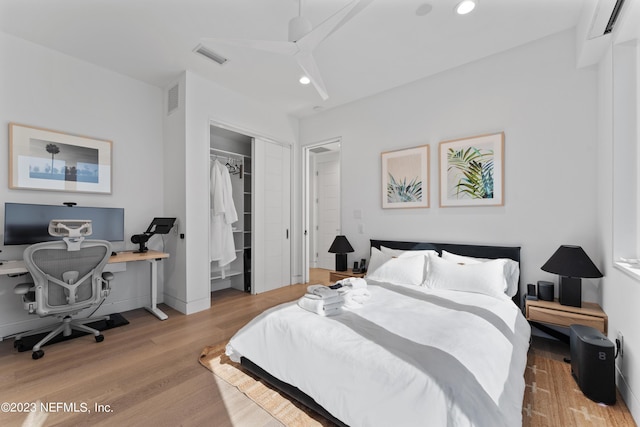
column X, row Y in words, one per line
column 448, row 351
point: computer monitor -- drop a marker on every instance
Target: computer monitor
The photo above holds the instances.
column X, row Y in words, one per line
column 26, row 224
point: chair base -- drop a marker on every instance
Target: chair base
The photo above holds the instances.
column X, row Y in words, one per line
column 65, row 328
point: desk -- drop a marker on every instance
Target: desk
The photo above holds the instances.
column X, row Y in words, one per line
column 18, row 267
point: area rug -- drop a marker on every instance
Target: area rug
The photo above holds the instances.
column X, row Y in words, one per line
column 289, row 412
column 552, row 397
column 116, row 320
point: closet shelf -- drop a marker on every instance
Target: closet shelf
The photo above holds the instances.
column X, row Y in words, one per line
column 218, row 275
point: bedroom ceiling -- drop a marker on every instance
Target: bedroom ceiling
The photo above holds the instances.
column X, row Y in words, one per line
column 388, row 44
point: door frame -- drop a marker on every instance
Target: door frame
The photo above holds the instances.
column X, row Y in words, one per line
column 306, row 194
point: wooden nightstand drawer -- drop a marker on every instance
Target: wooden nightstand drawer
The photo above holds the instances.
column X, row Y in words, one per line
column 553, row 313
column 559, row 318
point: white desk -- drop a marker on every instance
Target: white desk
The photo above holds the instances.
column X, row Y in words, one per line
column 18, row 267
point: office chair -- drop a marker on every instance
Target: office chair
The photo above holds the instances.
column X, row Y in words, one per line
column 67, row 278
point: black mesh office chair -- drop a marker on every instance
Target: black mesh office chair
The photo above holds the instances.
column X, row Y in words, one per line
column 67, row 278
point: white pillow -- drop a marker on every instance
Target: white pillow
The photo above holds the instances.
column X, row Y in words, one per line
column 485, row 278
column 400, row 253
column 403, row 271
column 511, row 269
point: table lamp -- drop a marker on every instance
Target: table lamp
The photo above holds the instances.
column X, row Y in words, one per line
column 572, row 264
column 341, row 247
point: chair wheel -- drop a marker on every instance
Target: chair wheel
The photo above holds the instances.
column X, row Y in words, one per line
column 99, row 338
column 37, row 354
column 18, row 344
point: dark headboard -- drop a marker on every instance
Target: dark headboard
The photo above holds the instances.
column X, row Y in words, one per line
column 477, row 251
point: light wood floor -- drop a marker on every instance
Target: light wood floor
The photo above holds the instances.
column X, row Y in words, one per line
column 147, row 372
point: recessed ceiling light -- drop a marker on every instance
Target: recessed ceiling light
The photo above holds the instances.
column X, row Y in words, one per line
column 465, row 6
column 305, row 80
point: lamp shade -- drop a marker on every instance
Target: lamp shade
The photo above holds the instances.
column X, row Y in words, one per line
column 571, row 261
column 340, row 245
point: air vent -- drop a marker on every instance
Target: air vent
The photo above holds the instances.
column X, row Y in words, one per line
column 173, row 99
column 319, row 150
column 605, row 17
column 207, row 53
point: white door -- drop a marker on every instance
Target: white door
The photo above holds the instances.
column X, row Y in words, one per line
column 271, row 246
column 327, row 207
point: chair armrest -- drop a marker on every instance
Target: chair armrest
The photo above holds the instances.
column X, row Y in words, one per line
column 22, row 288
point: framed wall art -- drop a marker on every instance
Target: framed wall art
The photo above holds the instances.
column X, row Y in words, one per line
column 472, row 171
column 405, row 178
column 43, row 159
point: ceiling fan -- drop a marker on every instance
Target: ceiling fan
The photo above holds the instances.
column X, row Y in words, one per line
column 303, row 39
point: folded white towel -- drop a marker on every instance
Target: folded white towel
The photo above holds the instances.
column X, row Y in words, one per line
column 319, row 307
column 322, row 291
column 354, row 282
column 330, row 300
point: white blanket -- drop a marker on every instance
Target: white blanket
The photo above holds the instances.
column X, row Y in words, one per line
column 410, row 356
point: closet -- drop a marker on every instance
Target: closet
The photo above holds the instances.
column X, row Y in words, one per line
column 233, row 150
column 260, row 173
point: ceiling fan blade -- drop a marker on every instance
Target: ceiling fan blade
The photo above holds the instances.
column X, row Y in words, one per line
column 310, row 68
column 361, row 4
column 278, row 47
column 312, row 39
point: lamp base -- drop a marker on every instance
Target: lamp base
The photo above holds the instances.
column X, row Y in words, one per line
column 341, row 262
column 570, row 291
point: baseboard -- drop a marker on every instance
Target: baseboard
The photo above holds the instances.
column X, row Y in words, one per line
column 187, row 307
column 627, row 395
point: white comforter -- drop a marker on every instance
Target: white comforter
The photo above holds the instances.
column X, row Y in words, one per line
column 411, row 356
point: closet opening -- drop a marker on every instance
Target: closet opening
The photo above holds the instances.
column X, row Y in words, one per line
column 253, row 252
column 322, row 204
column 231, row 151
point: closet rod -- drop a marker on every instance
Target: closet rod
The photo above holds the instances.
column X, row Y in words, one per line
column 226, row 156
column 228, row 152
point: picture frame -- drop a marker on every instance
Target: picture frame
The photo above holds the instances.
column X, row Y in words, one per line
column 472, row 171
column 45, row 159
column 405, row 178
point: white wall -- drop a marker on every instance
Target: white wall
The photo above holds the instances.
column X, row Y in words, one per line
column 188, row 289
column 44, row 88
column 547, row 109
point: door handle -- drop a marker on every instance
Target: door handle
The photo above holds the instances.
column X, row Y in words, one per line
column 287, row 234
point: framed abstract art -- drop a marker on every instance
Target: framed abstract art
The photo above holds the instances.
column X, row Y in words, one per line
column 472, row 171
column 405, row 178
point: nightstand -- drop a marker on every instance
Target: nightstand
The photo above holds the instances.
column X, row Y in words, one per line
column 553, row 313
column 335, row 276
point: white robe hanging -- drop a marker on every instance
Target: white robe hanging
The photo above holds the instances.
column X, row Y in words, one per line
column 223, row 214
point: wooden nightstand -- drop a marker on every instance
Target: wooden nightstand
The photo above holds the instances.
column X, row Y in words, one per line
column 553, row 313
column 334, row 276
